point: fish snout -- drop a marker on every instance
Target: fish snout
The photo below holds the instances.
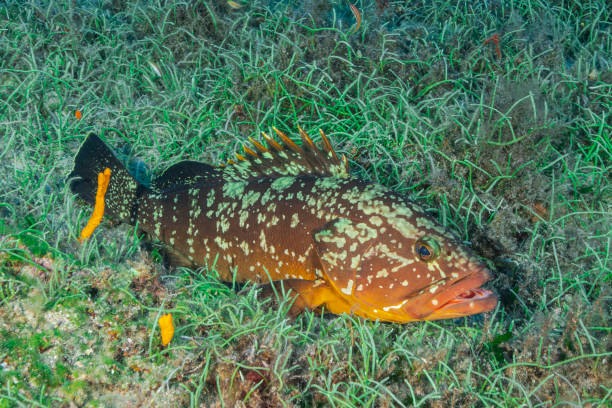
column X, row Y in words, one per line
column 452, row 299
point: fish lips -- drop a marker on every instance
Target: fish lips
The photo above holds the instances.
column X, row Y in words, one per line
column 463, row 297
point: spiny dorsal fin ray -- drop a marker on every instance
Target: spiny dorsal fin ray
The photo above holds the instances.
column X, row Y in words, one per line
column 287, row 159
column 258, row 145
column 328, row 145
column 287, row 141
column 272, row 142
column 250, row 151
column 305, row 138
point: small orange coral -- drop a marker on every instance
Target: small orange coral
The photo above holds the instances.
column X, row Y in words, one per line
column 167, row 328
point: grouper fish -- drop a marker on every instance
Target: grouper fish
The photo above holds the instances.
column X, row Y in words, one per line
column 291, row 216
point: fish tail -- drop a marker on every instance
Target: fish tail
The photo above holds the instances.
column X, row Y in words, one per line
column 124, row 192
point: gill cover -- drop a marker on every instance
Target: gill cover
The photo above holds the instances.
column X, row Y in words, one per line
column 361, row 269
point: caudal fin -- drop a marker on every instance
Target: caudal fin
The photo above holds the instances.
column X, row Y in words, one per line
column 123, row 193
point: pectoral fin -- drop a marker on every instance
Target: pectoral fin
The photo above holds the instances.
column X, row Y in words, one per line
column 306, row 294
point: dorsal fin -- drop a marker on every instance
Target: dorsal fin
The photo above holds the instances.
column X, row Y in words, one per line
column 186, row 174
column 287, row 159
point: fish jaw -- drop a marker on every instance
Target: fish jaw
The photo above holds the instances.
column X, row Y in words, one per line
column 462, row 298
column 472, row 301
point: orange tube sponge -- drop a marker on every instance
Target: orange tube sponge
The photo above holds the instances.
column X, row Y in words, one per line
column 98, row 212
column 166, row 327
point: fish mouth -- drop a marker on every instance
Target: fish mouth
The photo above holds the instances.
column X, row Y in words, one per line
column 465, row 297
column 441, row 300
column 461, row 298
column 472, row 301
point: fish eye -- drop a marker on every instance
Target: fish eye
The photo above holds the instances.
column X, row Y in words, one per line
column 427, row 249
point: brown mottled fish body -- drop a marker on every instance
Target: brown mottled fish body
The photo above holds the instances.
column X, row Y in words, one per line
column 294, row 214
